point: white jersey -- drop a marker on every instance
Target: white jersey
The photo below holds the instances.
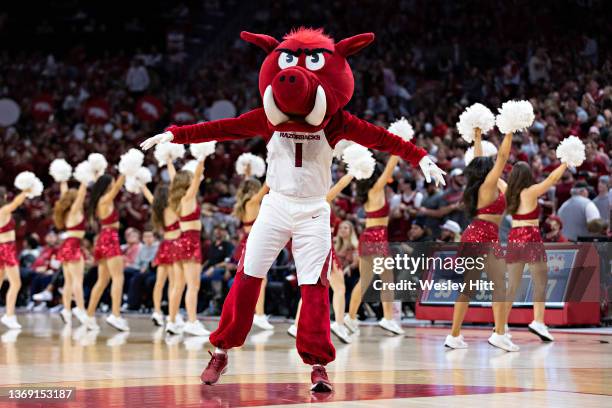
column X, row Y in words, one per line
column 299, row 164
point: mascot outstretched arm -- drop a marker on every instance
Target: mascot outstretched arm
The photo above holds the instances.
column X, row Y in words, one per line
column 305, row 82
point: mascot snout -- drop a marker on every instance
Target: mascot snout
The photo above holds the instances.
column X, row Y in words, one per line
column 295, row 94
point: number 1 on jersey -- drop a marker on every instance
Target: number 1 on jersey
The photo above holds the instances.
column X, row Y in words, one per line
column 298, row 154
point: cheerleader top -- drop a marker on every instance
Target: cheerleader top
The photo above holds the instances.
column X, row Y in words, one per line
column 111, row 219
column 497, row 207
column 172, row 227
column 9, row 226
column 78, row 227
column 193, row 216
column 531, row 215
column 248, row 223
column 380, row 213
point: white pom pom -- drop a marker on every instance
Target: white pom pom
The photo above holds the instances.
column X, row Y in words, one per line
column 475, row 116
column 340, row 147
column 144, row 176
column 27, row 181
column 135, row 183
column 488, row 150
column 60, row 170
column 571, row 151
column 168, row 151
column 202, row 150
column 402, row 128
column 83, row 173
column 98, row 164
column 515, row 116
column 132, row 185
column 130, row 162
column 190, row 166
column 359, row 161
column 257, row 165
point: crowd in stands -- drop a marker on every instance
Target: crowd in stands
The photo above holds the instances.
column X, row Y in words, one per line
column 430, row 60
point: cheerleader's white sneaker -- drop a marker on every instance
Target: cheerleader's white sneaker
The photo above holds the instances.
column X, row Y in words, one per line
column 391, row 325
column 195, row 329
column 455, row 342
column 502, row 342
column 10, row 322
column 292, row 331
column 540, row 330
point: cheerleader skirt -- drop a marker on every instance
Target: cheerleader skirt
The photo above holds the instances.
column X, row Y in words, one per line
column 188, row 247
column 70, row 250
column 107, row 244
column 167, row 253
column 525, row 246
column 8, row 255
column 480, row 237
column 373, row 241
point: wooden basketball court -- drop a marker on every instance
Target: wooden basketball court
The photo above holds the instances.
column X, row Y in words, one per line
column 144, row 368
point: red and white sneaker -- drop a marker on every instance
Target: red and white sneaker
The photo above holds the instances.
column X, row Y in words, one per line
column 320, row 382
column 215, row 368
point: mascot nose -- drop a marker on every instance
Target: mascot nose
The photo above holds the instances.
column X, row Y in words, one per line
column 293, row 91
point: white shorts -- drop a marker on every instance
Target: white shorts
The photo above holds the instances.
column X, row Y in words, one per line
column 306, row 221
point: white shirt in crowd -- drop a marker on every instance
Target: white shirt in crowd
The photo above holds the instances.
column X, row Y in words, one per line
column 137, row 79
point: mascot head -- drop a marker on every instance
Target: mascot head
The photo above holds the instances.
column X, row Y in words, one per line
column 305, row 79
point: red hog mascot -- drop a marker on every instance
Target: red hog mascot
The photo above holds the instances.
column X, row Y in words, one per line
column 305, row 82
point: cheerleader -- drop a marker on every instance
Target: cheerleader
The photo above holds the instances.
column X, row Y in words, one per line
column 69, row 216
column 183, row 201
column 165, row 219
column 373, row 243
column 336, row 280
column 524, row 240
column 107, row 251
column 484, row 201
column 9, row 265
column 248, row 200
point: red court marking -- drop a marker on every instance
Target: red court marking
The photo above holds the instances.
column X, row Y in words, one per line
column 253, row 395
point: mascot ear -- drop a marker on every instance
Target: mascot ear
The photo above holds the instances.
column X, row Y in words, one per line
column 263, row 41
column 353, row 45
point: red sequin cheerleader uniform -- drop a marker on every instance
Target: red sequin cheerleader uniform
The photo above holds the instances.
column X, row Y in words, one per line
column 333, row 220
column 242, row 244
column 481, row 236
column 525, row 241
column 107, row 244
column 8, row 250
column 188, row 245
column 373, row 241
column 70, row 250
column 167, row 253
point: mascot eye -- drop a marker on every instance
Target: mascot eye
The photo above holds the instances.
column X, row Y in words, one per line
column 315, row 61
column 286, row 60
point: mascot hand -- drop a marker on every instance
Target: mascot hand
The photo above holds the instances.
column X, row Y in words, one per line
column 157, row 139
column 431, row 171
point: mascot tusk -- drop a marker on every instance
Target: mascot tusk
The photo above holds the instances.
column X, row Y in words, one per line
column 316, row 116
column 275, row 116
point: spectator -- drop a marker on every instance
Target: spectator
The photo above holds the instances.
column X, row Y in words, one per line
column 44, row 268
column 138, row 283
column 539, row 67
column 577, row 212
column 602, row 201
column 216, row 267
column 553, row 230
column 450, row 231
column 131, row 248
column 130, row 251
column 419, row 231
column 137, row 79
